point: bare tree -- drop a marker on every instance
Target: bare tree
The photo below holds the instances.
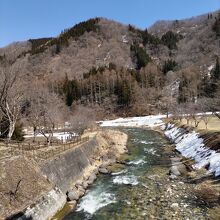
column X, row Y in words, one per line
column 45, row 110
column 193, row 113
column 12, row 89
column 204, row 107
column 82, row 118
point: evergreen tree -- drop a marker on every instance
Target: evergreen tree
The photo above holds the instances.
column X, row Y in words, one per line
column 169, row 65
column 183, row 96
column 170, row 39
column 142, row 58
column 216, row 26
column 204, row 87
column 215, row 74
column 123, row 92
column 71, row 91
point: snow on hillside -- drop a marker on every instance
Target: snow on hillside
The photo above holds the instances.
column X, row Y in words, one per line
column 190, row 145
column 149, row 121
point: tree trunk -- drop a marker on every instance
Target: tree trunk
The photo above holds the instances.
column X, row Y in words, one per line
column 11, row 130
column 35, row 133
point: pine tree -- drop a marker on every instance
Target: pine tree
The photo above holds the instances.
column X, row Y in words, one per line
column 170, row 39
column 215, row 76
column 183, row 96
column 142, row 58
column 123, row 91
column 169, row 65
column 216, row 26
column 216, row 71
column 71, row 91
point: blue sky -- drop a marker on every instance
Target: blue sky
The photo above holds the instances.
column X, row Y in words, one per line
column 25, row 19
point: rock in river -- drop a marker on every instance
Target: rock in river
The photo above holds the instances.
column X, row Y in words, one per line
column 103, row 170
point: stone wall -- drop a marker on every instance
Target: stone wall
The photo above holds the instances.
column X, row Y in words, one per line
column 69, row 166
column 46, row 184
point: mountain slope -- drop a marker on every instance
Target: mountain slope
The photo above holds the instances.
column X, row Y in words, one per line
column 105, row 64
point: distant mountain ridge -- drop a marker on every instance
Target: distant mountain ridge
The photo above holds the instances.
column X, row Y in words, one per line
column 99, row 53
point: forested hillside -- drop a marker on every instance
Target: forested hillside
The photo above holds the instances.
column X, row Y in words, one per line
column 116, row 69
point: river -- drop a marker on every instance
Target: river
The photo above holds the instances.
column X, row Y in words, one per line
column 140, row 188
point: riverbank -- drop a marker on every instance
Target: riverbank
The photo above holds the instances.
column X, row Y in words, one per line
column 37, row 190
column 113, row 146
column 197, row 161
column 143, row 187
column 202, row 148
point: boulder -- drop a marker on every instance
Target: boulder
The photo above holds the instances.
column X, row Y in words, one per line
column 81, row 191
column 182, row 169
column 174, row 171
column 72, row 195
column 96, row 170
column 105, row 158
column 103, row 170
column 173, row 177
column 92, row 178
column 85, row 185
column 78, row 183
column 177, row 167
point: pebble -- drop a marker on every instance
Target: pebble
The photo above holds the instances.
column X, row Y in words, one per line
column 174, row 205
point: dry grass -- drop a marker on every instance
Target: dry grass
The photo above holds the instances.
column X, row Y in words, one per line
column 213, row 124
column 208, row 193
column 214, row 213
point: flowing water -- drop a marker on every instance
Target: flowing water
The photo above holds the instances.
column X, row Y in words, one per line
column 141, row 188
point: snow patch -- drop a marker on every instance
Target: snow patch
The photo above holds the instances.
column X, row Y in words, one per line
column 191, row 145
column 149, row 121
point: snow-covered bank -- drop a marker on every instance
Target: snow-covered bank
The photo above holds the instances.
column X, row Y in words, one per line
column 149, row 121
column 191, row 145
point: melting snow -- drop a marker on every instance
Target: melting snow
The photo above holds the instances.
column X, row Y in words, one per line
column 191, row 145
column 150, row 121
